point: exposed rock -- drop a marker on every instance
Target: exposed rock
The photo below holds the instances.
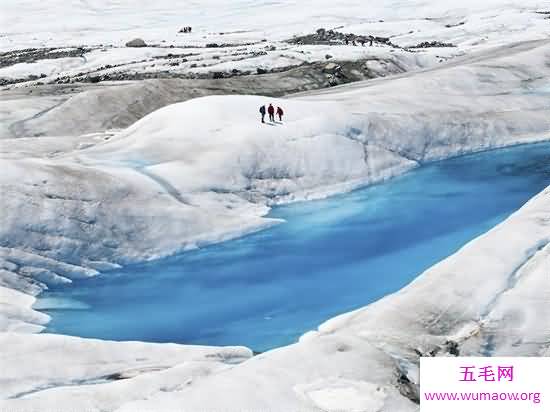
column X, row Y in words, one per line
column 32, row 55
column 452, row 348
column 332, row 37
column 136, row 43
column 455, row 25
column 332, row 68
column 407, row 388
column 428, row 44
column 320, row 74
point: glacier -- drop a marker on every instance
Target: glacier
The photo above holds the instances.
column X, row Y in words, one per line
column 205, row 170
column 330, row 256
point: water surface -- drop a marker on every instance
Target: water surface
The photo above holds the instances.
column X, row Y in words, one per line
column 331, row 256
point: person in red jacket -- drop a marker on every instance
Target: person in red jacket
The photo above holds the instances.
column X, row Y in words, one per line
column 280, row 113
column 271, row 111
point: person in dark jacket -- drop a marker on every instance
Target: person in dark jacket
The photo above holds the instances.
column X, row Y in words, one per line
column 280, row 113
column 262, row 112
column 271, row 111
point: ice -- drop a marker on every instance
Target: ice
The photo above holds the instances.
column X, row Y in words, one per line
column 206, row 170
column 94, row 365
column 341, row 394
column 362, row 346
column 103, row 22
column 354, row 248
column 44, row 304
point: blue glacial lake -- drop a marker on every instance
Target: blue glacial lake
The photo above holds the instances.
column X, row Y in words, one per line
column 331, row 256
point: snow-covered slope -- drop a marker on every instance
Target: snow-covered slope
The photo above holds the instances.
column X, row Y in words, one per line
column 78, row 362
column 26, row 23
column 231, row 45
column 240, row 37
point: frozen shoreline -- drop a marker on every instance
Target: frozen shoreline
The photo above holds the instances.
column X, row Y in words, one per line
column 355, row 358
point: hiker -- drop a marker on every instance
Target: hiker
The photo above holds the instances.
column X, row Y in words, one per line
column 262, row 112
column 271, row 111
column 280, row 113
column 371, row 40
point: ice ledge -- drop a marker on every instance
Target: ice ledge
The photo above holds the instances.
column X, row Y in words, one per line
column 491, row 295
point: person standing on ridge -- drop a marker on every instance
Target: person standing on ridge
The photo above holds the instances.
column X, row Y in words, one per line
column 271, row 111
column 280, row 113
column 262, row 112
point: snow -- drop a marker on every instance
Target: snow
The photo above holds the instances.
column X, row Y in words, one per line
column 206, row 170
column 85, row 364
column 103, row 22
column 43, row 67
column 157, row 179
column 16, row 313
column 252, row 29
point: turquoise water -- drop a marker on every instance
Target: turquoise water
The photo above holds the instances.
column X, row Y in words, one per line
column 331, row 256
